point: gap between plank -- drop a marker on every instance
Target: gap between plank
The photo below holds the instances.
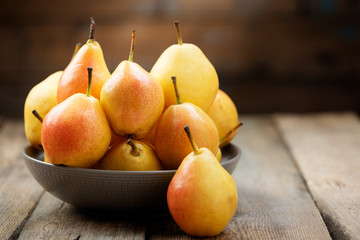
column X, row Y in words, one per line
column 297, row 166
column 18, row 230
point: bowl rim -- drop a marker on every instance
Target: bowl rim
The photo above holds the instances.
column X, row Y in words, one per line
column 89, row 170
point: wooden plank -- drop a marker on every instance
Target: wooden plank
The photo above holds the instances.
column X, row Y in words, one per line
column 19, row 192
column 326, row 147
column 55, row 219
column 273, row 203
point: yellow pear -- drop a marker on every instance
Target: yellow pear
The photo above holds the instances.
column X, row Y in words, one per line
column 225, row 116
column 218, row 155
column 131, row 155
column 198, row 82
column 202, row 196
column 40, row 100
column 42, row 97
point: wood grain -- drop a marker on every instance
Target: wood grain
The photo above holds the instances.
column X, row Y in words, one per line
column 54, row 219
column 273, row 200
column 327, row 149
column 19, row 192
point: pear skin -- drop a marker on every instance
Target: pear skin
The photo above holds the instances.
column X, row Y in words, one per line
column 42, row 97
column 74, row 78
column 132, row 99
column 151, row 134
column 76, row 132
column 171, row 143
column 116, row 139
column 123, row 157
column 218, row 155
column 202, row 196
column 224, row 114
column 198, row 82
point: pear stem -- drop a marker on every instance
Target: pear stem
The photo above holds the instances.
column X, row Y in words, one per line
column 92, row 28
column 221, row 140
column 134, row 150
column 193, row 144
column 176, row 23
column 133, row 36
column 178, row 100
column 37, row 115
column 88, row 90
column 77, row 47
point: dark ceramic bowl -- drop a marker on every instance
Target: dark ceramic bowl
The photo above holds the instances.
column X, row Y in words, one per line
column 112, row 190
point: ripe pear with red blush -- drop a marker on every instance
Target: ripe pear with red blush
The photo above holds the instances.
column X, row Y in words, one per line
column 171, row 143
column 76, row 132
column 132, row 99
column 74, row 77
column 202, row 196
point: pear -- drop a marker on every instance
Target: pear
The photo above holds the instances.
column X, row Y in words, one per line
column 218, row 155
column 37, row 115
column 76, row 132
column 198, row 82
column 130, row 155
column 132, row 99
column 151, row 135
column 225, row 140
column 74, row 78
column 202, row 196
column 225, row 116
column 171, row 144
column 43, row 98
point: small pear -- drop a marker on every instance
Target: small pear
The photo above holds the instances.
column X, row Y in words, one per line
column 202, row 196
column 198, row 81
column 132, row 99
column 74, row 78
column 42, row 97
column 130, row 155
column 171, row 144
column 225, row 116
column 76, row 132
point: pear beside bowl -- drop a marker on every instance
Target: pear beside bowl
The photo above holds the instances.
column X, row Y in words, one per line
column 110, row 190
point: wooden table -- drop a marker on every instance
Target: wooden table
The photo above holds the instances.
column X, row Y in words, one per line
column 298, row 178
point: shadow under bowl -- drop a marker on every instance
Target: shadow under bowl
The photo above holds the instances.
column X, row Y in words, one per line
column 110, row 190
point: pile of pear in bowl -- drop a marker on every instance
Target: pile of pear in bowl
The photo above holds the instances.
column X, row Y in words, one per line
column 136, row 140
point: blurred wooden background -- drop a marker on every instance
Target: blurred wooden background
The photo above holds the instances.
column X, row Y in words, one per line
column 275, row 55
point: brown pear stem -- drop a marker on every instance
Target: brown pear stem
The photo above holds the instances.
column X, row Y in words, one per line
column 134, row 150
column 178, row 100
column 221, row 140
column 77, row 47
column 37, row 115
column 180, row 42
column 88, row 90
column 193, row 144
column 92, row 29
column 133, row 36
